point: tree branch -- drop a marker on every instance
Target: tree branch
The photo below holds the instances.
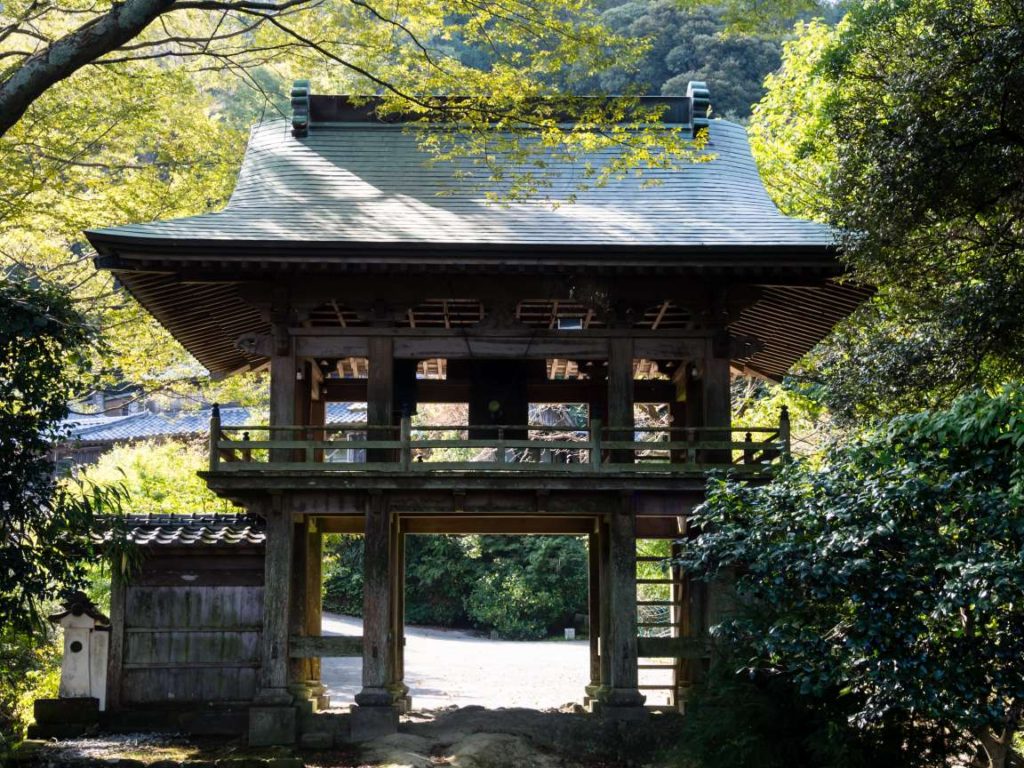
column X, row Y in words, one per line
column 72, row 52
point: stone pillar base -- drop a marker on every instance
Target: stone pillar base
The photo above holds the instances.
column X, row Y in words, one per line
column 620, row 704
column 371, row 722
column 63, row 718
column 621, row 713
column 272, row 726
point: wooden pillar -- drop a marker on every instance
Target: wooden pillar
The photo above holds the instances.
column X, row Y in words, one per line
column 604, row 582
column 620, row 395
column 298, row 672
column 377, row 643
column 399, row 690
column 276, row 598
column 380, row 389
column 115, row 648
column 716, row 396
column 314, row 604
column 594, row 610
column 622, row 698
column 282, row 390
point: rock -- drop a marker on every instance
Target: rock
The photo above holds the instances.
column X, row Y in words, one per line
column 498, row 750
column 400, row 750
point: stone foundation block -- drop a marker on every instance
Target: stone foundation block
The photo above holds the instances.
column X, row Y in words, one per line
column 316, row 740
column 271, row 726
column 372, row 722
column 64, row 711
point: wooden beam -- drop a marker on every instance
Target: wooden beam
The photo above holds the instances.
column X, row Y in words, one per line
column 352, row 524
column 459, row 525
column 327, row 647
column 548, row 391
column 672, row 648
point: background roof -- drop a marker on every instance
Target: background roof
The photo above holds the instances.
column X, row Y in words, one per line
column 145, row 425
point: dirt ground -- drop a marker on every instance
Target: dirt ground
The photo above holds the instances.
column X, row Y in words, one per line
column 445, row 667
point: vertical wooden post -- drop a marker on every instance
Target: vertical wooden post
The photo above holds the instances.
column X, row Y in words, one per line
column 376, row 604
column 214, row 437
column 623, row 698
column 376, row 714
column 716, row 397
column 595, row 444
column 298, row 668
column 276, row 599
column 604, row 557
column 314, row 603
column 399, row 690
column 620, row 395
column 380, row 393
column 594, row 610
column 115, row 649
column 784, row 433
column 282, row 391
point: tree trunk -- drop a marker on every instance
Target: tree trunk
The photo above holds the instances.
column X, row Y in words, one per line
column 70, row 53
column 999, row 748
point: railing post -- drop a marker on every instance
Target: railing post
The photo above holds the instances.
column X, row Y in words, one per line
column 406, row 439
column 246, row 452
column 748, row 449
column 499, row 455
column 784, row 437
column 214, row 437
column 595, row 444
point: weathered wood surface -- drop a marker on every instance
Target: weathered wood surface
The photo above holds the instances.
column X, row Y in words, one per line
column 188, row 643
column 377, row 625
column 672, row 648
column 325, row 647
column 277, row 598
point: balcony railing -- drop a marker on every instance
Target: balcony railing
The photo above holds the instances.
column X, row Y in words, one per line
column 358, row 448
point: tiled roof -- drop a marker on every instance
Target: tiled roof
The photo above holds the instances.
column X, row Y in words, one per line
column 195, row 529
column 146, row 425
column 348, row 183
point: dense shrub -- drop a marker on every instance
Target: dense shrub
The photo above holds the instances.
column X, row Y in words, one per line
column 887, row 577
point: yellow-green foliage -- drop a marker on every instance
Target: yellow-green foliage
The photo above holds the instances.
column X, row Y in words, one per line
column 159, row 477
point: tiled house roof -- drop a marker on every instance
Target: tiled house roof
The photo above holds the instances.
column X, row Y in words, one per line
column 195, row 530
column 146, row 425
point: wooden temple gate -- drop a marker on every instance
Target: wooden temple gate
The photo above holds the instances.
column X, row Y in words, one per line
column 345, row 266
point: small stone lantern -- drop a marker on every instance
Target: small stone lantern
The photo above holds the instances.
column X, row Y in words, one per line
column 83, row 673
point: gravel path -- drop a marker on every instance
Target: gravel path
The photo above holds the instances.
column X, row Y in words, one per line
column 445, row 667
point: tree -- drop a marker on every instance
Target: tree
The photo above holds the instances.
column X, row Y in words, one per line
column 887, row 577
column 857, row 130
column 158, row 477
column 689, row 43
column 136, row 111
column 45, row 528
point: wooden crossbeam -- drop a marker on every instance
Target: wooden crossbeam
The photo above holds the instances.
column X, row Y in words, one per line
column 306, row 647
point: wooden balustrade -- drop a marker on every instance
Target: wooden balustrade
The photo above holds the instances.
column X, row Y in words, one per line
column 551, row 449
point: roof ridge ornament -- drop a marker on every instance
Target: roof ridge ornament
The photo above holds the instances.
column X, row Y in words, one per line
column 700, row 100
column 300, row 108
